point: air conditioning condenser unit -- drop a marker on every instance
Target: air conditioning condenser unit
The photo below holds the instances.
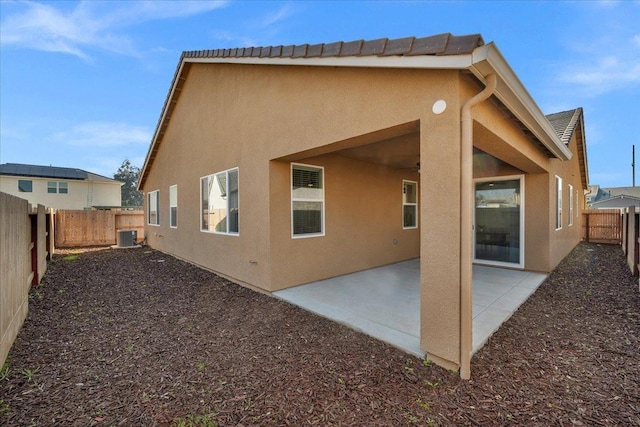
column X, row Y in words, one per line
column 127, row 238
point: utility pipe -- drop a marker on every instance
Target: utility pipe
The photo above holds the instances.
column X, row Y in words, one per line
column 466, row 223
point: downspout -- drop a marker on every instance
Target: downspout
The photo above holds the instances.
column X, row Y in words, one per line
column 466, row 224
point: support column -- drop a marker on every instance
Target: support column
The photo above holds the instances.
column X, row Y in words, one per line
column 440, row 233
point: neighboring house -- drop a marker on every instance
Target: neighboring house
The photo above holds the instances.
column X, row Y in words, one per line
column 593, row 194
column 278, row 166
column 598, row 198
column 616, row 202
column 59, row 188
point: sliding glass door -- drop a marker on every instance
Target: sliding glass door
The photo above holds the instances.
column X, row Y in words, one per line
column 498, row 219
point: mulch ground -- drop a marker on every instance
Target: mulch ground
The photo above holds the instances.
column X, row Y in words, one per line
column 138, row 338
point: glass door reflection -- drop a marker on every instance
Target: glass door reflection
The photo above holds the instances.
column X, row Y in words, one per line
column 498, row 221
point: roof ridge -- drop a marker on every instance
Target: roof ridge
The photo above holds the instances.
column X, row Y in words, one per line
column 439, row 44
column 571, row 127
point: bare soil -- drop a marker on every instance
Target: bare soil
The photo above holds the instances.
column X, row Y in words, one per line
column 138, row 338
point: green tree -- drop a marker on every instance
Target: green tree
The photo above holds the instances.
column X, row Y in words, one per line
column 128, row 174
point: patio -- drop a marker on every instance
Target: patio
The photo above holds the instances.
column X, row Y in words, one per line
column 384, row 302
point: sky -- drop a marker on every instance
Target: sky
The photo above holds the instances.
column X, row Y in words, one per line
column 82, row 84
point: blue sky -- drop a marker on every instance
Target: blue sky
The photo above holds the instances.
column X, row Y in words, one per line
column 82, row 83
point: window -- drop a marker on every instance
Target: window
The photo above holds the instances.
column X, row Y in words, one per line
column 173, row 206
column 558, row 203
column 570, row 205
column 152, row 207
column 220, row 202
column 25, row 186
column 57, row 187
column 409, row 204
column 307, row 200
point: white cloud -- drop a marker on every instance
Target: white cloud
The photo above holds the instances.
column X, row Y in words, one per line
column 603, row 49
column 104, row 134
column 235, row 39
column 605, row 73
column 277, row 16
column 90, row 25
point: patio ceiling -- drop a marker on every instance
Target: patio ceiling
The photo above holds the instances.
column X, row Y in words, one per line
column 397, row 147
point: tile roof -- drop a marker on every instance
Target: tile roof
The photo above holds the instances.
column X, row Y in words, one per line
column 564, row 123
column 441, row 44
column 18, row 169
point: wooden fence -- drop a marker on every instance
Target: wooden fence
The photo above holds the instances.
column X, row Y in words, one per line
column 76, row 228
column 602, row 226
column 25, row 247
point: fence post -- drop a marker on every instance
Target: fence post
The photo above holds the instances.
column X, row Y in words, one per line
column 631, row 239
column 587, row 231
column 625, row 227
column 636, row 246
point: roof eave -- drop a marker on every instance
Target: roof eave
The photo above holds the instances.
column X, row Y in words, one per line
column 511, row 92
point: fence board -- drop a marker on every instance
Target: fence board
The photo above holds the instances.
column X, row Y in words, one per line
column 76, row 228
column 15, row 268
column 130, row 220
column 602, row 226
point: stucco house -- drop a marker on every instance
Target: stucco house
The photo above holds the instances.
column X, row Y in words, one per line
column 278, row 166
column 58, row 187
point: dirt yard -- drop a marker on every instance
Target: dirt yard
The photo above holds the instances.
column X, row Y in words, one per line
column 137, row 338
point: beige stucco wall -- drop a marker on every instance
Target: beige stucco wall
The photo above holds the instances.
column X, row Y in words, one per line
column 363, row 209
column 103, row 193
column 255, row 115
column 564, row 240
column 260, row 118
column 498, row 135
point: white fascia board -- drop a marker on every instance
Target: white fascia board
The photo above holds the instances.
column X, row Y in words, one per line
column 418, row 61
column 512, row 93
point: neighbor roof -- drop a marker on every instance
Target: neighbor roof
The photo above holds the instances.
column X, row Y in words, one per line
column 443, row 51
column 18, row 169
column 619, row 201
column 622, row 191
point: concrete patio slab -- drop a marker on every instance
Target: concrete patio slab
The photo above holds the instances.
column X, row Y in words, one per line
column 384, row 302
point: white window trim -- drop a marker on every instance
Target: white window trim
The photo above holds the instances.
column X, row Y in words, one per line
column 570, row 217
column 157, row 208
column 410, row 204
column 172, row 206
column 57, row 186
column 324, row 203
column 233, row 233
column 558, row 194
